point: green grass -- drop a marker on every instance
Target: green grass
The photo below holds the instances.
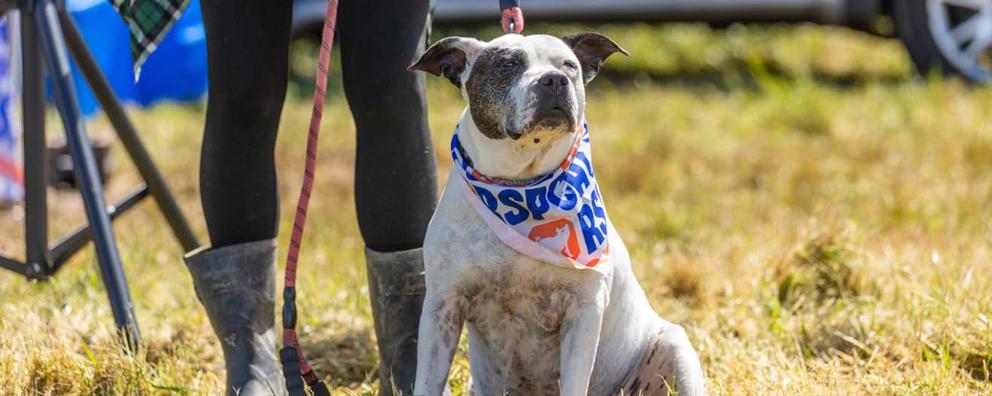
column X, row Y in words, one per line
column 816, row 217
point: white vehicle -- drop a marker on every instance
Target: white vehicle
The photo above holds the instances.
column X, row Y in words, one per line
column 953, row 36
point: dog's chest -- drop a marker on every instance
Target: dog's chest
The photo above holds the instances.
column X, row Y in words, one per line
column 520, row 318
column 519, row 309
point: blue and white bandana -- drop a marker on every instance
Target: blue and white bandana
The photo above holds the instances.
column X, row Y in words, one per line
column 558, row 218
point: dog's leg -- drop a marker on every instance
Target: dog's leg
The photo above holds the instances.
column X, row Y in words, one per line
column 676, row 362
column 579, row 345
column 440, row 329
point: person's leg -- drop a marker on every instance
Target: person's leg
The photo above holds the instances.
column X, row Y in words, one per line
column 395, row 170
column 395, row 175
column 247, row 57
column 247, row 51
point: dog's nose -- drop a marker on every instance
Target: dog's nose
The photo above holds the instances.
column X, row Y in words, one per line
column 553, row 80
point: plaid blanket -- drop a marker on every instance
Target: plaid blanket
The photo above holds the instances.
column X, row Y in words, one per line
column 148, row 21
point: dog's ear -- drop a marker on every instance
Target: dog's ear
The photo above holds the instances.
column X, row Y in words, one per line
column 592, row 49
column 448, row 57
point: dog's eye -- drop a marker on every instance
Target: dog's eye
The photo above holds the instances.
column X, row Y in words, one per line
column 569, row 65
column 508, row 66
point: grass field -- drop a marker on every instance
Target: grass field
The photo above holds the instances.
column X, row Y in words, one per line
column 819, row 219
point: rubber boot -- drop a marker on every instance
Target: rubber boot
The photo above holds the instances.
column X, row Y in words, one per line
column 396, row 288
column 236, row 285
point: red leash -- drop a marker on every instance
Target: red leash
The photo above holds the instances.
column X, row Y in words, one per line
column 295, row 366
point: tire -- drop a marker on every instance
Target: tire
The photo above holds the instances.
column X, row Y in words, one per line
column 913, row 22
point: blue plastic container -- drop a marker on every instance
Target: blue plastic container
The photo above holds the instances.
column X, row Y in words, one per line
column 177, row 70
column 107, row 37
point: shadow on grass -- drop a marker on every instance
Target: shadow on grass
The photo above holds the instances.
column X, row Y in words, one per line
column 346, row 358
column 976, row 364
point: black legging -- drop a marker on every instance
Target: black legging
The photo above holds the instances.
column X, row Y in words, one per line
column 247, row 53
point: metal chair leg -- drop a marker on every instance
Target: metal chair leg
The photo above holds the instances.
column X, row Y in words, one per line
column 127, row 134
column 57, row 62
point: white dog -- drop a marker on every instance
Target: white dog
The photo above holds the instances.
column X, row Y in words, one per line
column 521, row 250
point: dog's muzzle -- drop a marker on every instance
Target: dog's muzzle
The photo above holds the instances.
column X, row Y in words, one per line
column 555, row 106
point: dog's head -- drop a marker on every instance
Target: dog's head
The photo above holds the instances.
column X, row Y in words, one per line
column 518, row 85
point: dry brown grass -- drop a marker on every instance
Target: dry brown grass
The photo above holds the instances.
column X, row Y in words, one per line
column 818, row 221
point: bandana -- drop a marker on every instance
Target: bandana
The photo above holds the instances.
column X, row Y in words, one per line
column 558, row 218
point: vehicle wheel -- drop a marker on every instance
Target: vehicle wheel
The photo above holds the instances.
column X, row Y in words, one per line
column 953, row 36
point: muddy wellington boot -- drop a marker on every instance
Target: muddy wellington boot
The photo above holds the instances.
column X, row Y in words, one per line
column 396, row 288
column 236, row 285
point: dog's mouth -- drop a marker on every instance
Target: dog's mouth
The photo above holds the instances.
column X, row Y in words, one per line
column 555, row 112
column 555, row 118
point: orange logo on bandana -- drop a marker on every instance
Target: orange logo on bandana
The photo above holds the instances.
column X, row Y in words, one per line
column 558, row 235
